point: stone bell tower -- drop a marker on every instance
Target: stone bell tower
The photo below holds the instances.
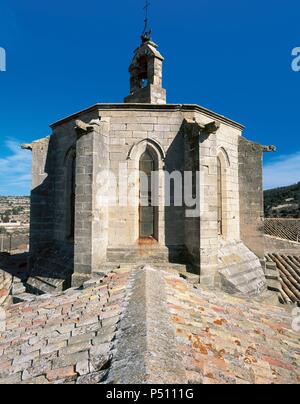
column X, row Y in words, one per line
column 146, row 75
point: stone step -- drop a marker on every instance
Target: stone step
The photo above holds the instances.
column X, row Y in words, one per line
column 148, row 254
column 242, row 268
column 18, row 288
column 274, row 285
column 248, row 283
column 52, row 272
column 184, row 270
column 40, row 285
column 136, row 255
column 272, row 275
column 254, row 287
column 246, row 276
column 241, row 271
column 271, row 266
column 248, row 287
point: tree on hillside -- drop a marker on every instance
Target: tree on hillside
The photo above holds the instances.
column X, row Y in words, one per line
column 279, row 196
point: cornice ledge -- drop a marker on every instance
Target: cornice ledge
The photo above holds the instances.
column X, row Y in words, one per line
column 83, row 128
column 193, row 128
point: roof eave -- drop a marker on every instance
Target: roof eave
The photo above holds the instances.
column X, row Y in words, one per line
column 164, row 107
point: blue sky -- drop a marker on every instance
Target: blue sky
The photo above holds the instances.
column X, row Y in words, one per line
column 232, row 56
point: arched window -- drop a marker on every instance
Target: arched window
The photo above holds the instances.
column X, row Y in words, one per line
column 70, row 195
column 223, row 167
column 143, row 72
column 147, row 212
column 148, row 156
column 220, row 197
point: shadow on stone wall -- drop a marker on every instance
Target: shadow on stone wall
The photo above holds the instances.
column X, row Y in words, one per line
column 15, row 264
column 49, row 257
column 174, row 215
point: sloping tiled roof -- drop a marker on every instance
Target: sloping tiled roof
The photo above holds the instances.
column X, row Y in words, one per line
column 147, row 326
column 229, row 340
column 289, row 275
column 288, row 229
column 63, row 338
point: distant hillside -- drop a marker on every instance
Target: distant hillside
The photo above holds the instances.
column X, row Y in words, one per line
column 283, row 202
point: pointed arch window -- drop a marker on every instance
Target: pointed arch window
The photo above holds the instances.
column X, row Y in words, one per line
column 70, row 195
column 220, row 197
column 147, row 212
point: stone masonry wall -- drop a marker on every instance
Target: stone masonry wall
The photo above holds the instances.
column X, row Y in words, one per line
column 251, row 196
column 208, row 219
column 41, row 211
column 64, row 140
column 227, row 150
column 116, row 142
column 192, row 224
column 127, row 129
column 280, row 246
column 64, row 143
column 99, row 240
column 90, row 217
column 225, row 140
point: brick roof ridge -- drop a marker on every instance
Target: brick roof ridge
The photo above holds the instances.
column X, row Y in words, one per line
column 146, row 347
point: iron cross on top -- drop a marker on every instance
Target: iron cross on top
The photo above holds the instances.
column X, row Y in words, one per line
column 146, row 8
column 147, row 31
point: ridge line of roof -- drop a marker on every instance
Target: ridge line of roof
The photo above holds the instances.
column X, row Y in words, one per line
column 174, row 107
column 147, row 337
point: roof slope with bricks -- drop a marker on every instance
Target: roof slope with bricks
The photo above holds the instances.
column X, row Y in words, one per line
column 224, row 339
column 147, row 326
column 64, row 338
column 288, row 229
column 288, row 267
